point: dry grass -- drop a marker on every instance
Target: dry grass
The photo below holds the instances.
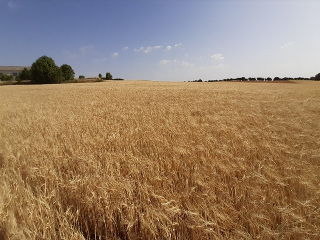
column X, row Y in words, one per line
column 156, row 160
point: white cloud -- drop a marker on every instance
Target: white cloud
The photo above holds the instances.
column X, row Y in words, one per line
column 115, row 54
column 139, row 50
column 217, row 56
column 287, row 45
column 178, row 44
column 148, row 49
column 164, row 62
column 187, row 64
column 125, row 48
column 168, row 48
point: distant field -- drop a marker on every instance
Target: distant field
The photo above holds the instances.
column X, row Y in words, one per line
column 160, row 160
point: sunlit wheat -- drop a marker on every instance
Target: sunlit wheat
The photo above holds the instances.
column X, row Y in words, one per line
column 159, row 160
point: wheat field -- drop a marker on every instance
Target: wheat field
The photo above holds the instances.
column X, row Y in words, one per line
column 160, row 160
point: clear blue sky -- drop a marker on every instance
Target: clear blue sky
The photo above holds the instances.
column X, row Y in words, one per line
column 173, row 40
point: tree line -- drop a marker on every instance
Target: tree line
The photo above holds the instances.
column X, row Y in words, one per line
column 44, row 71
column 243, row 79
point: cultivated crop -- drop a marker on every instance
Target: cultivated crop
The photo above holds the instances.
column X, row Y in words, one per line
column 159, row 160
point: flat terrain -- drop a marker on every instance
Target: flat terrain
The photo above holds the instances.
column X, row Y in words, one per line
column 160, row 160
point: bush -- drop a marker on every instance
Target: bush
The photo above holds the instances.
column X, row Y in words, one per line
column 44, row 70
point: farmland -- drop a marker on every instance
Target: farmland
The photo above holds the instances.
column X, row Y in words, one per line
column 160, row 160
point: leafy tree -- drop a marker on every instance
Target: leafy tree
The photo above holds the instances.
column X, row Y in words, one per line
column 67, row 72
column 317, row 77
column 100, row 76
column 44, row 70
column 81, row 77
column 108, row 76
column 25, row 74
column 5, row 77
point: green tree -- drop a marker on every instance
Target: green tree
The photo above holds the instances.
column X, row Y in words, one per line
column 108, row 76
column 44, row 70
column 100, row 76
column 317, row 77
column 5, row 77
column 67, row 72
column 25, row 74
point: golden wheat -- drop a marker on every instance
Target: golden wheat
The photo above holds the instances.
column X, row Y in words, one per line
column 159, row 160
